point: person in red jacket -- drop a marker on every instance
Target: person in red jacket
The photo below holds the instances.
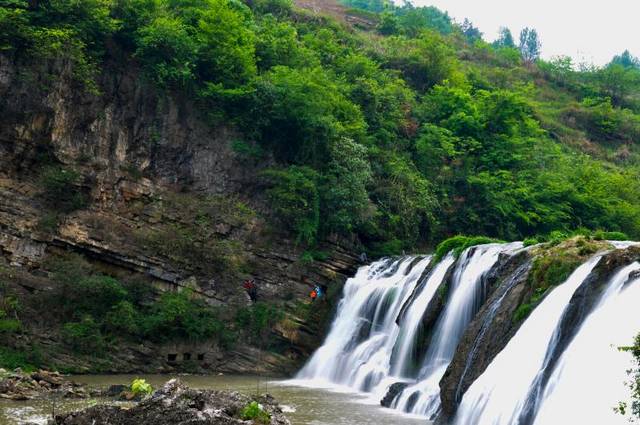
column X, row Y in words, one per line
column 250, row 286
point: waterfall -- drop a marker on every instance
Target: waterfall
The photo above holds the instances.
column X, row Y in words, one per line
column 406, row 352
column 560, row 366
column 499, row 394
column 490, row 315
column 467, row 291
column 588, row 380
column 358, row 349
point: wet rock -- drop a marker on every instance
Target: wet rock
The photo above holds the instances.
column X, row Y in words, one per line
column 115, row 390
column 23, row 386
column 176, row 404
column 52, row 378
column 489, row 331
column 392, row 392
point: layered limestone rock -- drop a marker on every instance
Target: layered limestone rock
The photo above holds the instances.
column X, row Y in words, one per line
column 144, row 159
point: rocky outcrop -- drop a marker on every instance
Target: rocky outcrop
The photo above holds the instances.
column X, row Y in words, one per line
column 490, row 330
column 392, row 392
column 18, row 385
column 176, row 404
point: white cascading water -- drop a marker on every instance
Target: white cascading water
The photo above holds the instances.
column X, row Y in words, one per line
column 373, row 342
column 588, row 380
column 405, row 353
column 423, row 397
column 358, row 349
column 498, row 395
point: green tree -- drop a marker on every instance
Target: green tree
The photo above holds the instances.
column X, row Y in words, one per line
column 626, row 59
column 298, row 112
column 294, row 197
column 167, row 51
column 84, row 335
column 389, row 23
column 470, row 31
column 530, row 45
column 277, row 44
column 618, row 82
column 424, row 61
column 505, row 39
column 344, row 196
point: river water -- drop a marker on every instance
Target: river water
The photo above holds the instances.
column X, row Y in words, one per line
column 303, row 406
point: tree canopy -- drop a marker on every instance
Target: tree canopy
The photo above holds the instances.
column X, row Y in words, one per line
column 397, row 135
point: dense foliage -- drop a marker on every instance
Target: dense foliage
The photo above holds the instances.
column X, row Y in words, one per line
column 96, row 309
column 403, row 134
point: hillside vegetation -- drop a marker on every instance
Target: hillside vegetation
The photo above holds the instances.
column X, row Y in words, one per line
column 402, row 133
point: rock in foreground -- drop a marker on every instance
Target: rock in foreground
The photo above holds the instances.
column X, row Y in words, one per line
column 176, row 404
column 18, row 385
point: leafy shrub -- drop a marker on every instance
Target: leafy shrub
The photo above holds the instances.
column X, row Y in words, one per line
column 623, row 408
column 386, row 248
column 552, row 266
column 313, row 255
column 254, row 321
column 61, row 190
column 97, row 305
column 9, row 326
column 294, row 197
column 180, row 43
column 459, row 243
column 93, row 295
column 141, row 387
column 610, row 236
column 123, row 318
column 552, row 270
column 253, row 412
column 247, row 150
column 84, row 336
column 176, row 315
column 11, row 359
column 9, row 308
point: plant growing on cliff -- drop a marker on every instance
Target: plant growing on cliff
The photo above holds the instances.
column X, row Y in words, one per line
column 553, row 265
column 294, row 197
column 457, row 244
column 61, row 190
column 632, row 410
column 84, row 336
column 256, row 321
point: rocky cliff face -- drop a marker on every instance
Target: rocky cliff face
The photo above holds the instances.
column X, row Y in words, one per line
column 165, row 198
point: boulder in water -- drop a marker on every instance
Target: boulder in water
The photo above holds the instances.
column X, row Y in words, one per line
column 392, row 392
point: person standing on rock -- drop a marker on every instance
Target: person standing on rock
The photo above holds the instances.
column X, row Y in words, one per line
column 251, row 288
column 313, row 294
